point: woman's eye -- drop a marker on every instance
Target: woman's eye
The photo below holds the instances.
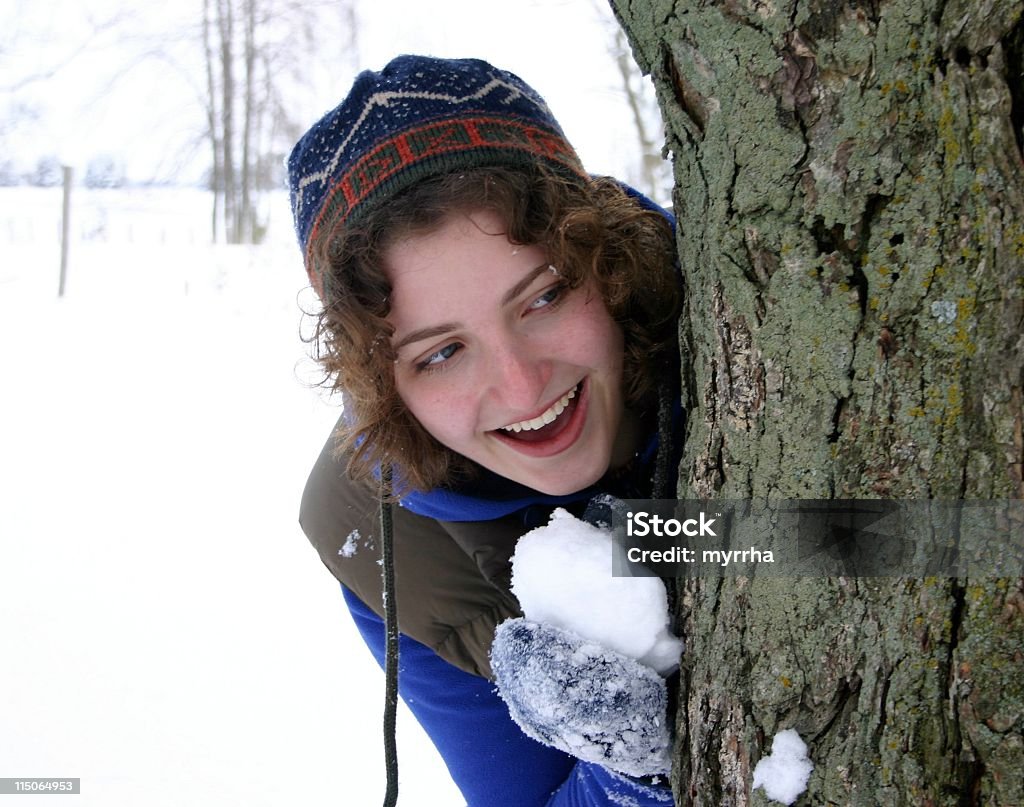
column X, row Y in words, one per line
column 547, row 298
column 438, row 358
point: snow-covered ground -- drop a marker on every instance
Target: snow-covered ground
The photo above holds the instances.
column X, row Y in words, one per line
column 169, row 636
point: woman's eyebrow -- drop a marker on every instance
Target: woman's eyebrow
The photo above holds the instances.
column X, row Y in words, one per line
column 524, row 284
column 446, row 327
column 425, row 333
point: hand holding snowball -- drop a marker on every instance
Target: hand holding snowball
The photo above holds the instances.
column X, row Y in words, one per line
column 582, row 672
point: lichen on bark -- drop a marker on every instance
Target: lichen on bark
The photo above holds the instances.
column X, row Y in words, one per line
column 850, row 199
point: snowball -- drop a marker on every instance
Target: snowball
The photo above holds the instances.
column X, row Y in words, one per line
column 784, row 773
column 562, row 576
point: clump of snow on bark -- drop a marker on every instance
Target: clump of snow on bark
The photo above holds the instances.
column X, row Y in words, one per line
column 784, row 773
column 562, row 576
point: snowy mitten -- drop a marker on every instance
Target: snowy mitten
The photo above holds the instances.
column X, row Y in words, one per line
column 575, row 695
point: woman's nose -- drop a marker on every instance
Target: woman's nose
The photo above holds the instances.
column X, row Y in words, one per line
column 518, row 376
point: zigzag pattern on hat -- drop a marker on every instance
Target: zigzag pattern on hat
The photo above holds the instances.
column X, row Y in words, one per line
column 436, row 139
column 384, row 99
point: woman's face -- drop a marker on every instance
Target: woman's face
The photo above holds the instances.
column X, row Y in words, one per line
column 500, row 361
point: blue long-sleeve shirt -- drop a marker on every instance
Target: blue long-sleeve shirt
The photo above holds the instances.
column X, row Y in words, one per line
column 490, row 759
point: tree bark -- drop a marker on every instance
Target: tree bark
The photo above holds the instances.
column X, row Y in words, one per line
column 850, row 197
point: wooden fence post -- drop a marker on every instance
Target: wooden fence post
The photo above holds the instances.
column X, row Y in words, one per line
column 65, row 233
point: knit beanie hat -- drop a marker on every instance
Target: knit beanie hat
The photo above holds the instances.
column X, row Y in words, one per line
column 419, row 117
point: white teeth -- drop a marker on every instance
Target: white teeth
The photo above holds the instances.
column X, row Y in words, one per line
column 545, row 417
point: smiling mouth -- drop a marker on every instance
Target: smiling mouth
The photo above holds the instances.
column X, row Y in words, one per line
column 544, row 418
column 547, row 425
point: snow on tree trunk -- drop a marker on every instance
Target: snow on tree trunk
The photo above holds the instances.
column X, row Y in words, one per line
column 850, row 194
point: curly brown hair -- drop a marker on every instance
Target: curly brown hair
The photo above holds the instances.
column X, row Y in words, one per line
column 592, row 231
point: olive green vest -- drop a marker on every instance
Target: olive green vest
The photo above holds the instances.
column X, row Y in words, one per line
column 452, row 578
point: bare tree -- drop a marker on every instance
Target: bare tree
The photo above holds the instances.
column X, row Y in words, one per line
column 650, row 172
column 217, row 183
column 255, row 54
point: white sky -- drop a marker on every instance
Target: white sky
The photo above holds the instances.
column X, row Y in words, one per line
column 144, row 108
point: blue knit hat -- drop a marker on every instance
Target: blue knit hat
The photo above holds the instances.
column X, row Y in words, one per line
column 419, row 117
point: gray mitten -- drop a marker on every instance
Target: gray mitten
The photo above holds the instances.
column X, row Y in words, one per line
column 579, row 697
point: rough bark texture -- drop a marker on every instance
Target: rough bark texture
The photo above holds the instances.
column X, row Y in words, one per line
column 850, row 195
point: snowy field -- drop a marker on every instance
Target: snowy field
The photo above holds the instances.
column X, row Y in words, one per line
column 169, row 635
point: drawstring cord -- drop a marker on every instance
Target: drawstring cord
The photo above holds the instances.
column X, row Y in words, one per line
column 390, row 639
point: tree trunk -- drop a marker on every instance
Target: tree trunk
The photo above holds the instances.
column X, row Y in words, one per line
column 212, row 118
column 247, row 213
column 850, row 196
column 226, row 34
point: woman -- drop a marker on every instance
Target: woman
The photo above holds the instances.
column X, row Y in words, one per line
column 501, row 326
